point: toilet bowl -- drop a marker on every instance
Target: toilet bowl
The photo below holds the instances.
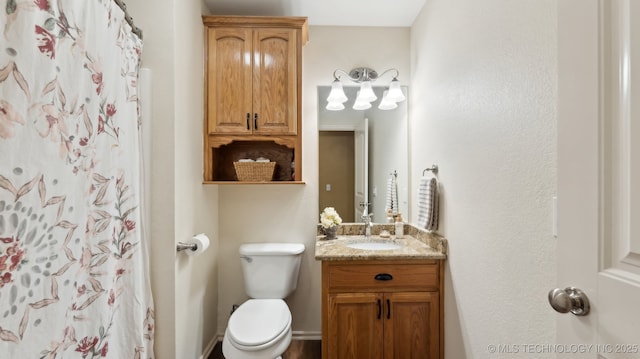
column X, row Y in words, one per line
column 260, row 328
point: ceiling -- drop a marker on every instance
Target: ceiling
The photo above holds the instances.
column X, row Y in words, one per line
column 387, row 13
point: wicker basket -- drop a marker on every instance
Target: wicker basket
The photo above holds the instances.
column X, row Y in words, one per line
column 255, row 171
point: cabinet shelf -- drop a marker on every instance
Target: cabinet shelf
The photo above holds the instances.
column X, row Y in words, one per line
column 224, row 155
column 252, row 183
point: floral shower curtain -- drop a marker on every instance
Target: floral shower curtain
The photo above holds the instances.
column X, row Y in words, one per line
column 74, row 279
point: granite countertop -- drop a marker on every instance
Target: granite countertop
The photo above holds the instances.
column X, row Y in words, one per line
column 415, row 244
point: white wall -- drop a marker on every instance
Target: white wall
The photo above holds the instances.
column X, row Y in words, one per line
column 289, row 213
column 483, row 106
column 184, row 289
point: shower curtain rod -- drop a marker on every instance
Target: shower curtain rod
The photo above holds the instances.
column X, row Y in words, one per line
column 136, row 30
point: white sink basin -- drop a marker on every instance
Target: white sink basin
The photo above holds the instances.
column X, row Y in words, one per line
column 374, row 246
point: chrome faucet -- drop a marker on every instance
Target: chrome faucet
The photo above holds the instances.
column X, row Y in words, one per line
column 366, row 218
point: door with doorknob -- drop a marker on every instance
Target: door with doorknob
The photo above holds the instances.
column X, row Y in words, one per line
column 599, row 176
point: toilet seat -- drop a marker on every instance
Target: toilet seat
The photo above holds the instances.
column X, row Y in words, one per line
column 257, row 323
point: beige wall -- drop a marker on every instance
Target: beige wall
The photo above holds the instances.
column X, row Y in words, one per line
column 157, row 29
column 260, row 213
column 483, row 106
column 196, row 210
column 184, row 289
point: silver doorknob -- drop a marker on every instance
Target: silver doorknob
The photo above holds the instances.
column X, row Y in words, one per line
column 568, row 300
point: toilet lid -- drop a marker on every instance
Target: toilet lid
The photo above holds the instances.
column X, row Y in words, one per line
column 258, row 321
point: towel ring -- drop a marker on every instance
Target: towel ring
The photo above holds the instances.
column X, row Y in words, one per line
column 433, row 169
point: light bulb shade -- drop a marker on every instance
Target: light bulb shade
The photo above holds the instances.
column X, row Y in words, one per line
column 361, row 105
column 395, row 92
column 335, row 106
column 366, row 93
column 337, row 93
column 385, row 104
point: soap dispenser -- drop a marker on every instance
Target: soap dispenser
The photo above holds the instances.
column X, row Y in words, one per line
column 399, row 226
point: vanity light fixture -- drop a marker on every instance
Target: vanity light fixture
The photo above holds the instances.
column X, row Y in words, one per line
column 365, row 77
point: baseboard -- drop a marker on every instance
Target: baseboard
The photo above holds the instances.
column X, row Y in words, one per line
column 303, row 335
column 209, row 349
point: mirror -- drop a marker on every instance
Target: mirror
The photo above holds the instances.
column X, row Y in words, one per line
column 358, row 153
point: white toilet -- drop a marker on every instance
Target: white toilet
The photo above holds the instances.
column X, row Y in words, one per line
column 261, row 327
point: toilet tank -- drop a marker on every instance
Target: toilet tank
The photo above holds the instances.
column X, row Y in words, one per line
column 270, row 269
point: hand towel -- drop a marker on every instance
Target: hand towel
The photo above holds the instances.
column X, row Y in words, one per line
column 391, row 203
column 435, row 208
column 428, row 203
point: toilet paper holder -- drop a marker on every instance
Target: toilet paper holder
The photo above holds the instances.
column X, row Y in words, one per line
column 181, row 246
column 194, row 246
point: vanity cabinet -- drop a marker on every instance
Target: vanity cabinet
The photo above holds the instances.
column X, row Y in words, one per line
column 253, row 83
column 382, row 309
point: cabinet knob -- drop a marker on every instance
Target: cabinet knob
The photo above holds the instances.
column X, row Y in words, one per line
column 248, row 119
column 255, row 121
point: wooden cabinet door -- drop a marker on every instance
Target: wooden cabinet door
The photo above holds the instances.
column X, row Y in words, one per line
column 229, row 81
column 411, row 325
column 275, row 81
column 355, row 326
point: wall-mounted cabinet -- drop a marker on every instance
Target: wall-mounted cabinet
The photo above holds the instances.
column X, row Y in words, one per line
column 253, row 88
